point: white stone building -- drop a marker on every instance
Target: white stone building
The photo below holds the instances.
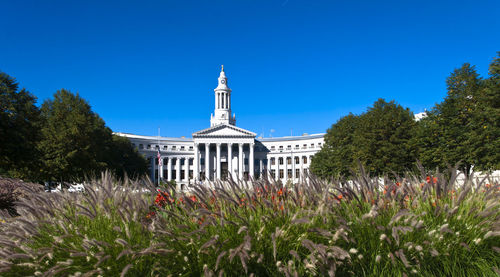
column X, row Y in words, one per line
column 224, row 150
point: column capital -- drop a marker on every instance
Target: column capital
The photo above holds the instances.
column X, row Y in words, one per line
column 219, row 144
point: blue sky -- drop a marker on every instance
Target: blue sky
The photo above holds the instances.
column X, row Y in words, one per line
column 294, row 66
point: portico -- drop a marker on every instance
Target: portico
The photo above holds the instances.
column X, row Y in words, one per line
column 228, row 151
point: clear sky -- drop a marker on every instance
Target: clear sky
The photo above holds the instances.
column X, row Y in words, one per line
column 293, row 65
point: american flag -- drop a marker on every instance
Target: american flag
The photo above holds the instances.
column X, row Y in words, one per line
column 159, row 158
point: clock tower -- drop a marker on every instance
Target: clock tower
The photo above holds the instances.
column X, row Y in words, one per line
column 222, row 112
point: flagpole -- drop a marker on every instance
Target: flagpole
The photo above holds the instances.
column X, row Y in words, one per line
column 160, row 164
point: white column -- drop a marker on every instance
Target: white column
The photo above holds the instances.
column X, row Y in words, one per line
column 186, row 170
column 251, row 161
column 178, row 170
column 285, row 175
column 261, row 170
column 169, row 169
column 160, row 169
column 207, row 161
column 218, row 163
column 230, row 159
column 196, row 167
column 240, row 161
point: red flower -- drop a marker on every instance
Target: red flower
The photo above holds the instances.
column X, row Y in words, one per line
column 280, row 192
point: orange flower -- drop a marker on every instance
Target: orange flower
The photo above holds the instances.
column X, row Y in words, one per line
column 282, row 208
column 193, row 198
column 398, row 184
column 280, row 192
column 340, row 196
column 421, row 185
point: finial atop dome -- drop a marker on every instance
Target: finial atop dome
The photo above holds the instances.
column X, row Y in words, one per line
column 222, row 66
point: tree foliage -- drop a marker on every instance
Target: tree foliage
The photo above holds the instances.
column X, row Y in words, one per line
column 77, row 144
column 464, row 128
column 379, row 139
column 19, row 119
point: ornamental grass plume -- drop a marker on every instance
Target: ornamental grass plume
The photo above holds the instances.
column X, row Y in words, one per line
column 259, row 228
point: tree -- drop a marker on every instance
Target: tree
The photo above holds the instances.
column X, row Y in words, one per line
column 486, row 119
column 336, row 158
column 75, row 140
column 19, row 130
column 77, row 144
column 380, row 139
column 455, row 119
column 125, row 160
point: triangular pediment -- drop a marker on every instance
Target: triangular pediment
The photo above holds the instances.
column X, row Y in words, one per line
column 224, row 130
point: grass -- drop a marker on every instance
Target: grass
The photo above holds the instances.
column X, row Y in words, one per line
column 411, row 226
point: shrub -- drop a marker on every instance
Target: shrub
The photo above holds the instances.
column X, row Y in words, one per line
column 416, row 225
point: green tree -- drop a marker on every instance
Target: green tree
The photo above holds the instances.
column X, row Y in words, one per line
column 379, row 138
column 336, row 158
column 75, row 140
column 19, row 130
column 77, row 144
column 485, row 133
column 382, row 141
column 125, row 160
column 455, row 118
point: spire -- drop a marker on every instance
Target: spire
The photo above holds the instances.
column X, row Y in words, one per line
column 222, row 81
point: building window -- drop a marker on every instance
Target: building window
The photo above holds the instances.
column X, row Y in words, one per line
column 173, row 147
column 273, row 148
column 149, row 146
column 297, row 173
column 246, row 161
column 297, row 146
column 165, row 147
column 312, row 145
column 304, row 159
column 281, row 174
column 319, row 144
column 273, row 161
column 297, row 160
column 280, row 160
column 182, row 161
column 174, row 161
column 141, row 146
column 289, row 173
column 183, row 174
column 202, row 161
column 273, row 173
column 288, row 160
column 304, row 146
column 281, row 147
column 191, row 161
column 191, row 148
column 289, row 147
column 182, row 148
column 157, row 147
column 165, row 162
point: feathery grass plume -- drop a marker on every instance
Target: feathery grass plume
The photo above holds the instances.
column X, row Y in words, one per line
column 243, row 228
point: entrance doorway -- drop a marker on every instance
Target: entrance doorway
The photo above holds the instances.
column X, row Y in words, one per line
column 224, row 170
